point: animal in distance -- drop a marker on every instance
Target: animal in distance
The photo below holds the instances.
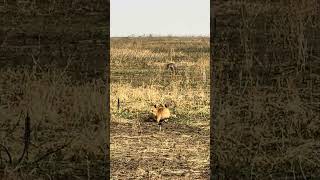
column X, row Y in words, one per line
column 172, row 67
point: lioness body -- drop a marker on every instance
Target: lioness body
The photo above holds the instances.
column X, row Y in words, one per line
column 160, row 113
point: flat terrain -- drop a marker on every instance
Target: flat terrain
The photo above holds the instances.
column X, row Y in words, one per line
column 139, row 79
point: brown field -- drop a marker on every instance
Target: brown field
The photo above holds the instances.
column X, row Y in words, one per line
column 139, row 79
column 52, row 90
column 65, row 132
column 266, row 90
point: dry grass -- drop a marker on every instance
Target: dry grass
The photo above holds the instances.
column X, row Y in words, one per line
column 67, row 124
column 139, row 80
column 267, row 102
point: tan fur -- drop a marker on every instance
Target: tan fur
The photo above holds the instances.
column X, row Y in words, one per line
column 160, row 113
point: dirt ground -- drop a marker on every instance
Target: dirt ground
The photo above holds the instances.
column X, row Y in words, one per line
column 139, row 150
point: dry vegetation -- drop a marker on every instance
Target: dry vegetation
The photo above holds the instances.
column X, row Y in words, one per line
column 66, row 132
column 139, row 79
column 267, row 68
column 52, row 117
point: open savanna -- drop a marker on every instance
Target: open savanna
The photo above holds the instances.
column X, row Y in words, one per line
column 51, row 125
column 140, row 79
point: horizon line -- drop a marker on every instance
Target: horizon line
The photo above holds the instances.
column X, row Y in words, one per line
column 150, row 36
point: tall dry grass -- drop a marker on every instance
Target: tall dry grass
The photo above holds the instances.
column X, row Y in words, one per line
column 66, row 123
column 268, row 91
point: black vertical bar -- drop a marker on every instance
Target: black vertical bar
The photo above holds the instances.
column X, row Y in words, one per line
column 118, row 104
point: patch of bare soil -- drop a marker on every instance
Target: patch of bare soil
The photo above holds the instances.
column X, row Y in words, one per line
column 139, row 150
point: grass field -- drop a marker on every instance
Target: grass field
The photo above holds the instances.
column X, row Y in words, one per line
column 65, row 132
column 139, row 79
column 266, row 90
